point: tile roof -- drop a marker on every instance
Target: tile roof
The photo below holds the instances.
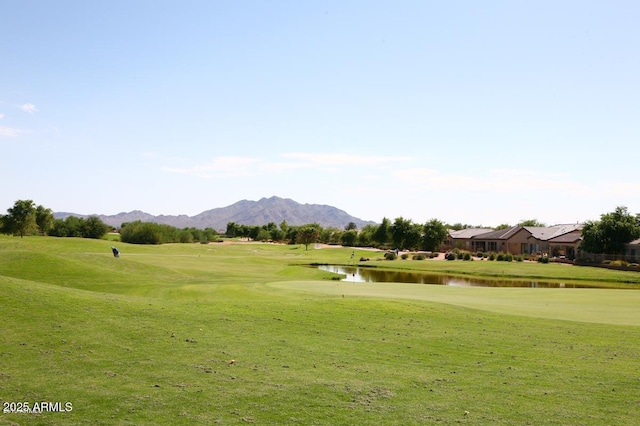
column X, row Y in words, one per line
column 468, row 232
column 501, row 234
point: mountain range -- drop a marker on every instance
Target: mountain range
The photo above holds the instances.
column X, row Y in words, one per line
column 245, row 212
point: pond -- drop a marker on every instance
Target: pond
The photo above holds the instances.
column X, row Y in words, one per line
column 357, row 274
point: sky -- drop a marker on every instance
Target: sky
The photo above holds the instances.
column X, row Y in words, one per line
column 482, row 113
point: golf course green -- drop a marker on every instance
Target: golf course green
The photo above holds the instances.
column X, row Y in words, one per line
column 246, row 333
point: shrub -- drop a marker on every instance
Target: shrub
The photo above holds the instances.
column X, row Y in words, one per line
column 480, row 255
column 418, row 256
column 450, row 256
column 543, row 259
column 500, row 257
column 404, row 256
column 508, row 257
column 390, row 256
column 492, row 256
column 433, row 255
column 467, row 256
column 619, row 263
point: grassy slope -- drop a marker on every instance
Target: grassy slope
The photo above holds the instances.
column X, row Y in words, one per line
column 148, row 338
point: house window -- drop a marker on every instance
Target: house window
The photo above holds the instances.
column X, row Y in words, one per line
column 493, row 246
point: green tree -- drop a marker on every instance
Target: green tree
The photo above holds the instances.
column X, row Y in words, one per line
column 44, row 219
column 382, row 233
column 21, row 218
column 350, row 226
column 401, row 232
column 531, row 222
column 434, row 234
column 611, row 232
column 365, row 236
column 349, row 238
column 306, row 235
column 93, row 227
column 232, row 229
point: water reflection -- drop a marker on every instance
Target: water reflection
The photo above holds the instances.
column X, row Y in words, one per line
column 372, row 275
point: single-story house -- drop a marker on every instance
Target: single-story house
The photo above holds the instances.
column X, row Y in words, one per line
column 632, row 251
column 558, row 240
column 461, row 239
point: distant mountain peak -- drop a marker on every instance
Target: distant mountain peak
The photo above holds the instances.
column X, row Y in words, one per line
column 244, row 212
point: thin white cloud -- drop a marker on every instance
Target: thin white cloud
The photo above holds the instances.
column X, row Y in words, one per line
column 29, row 107
column 11, row 132
column 1, row 115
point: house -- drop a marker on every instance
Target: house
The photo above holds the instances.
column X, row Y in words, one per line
column 509, row 240
column 461, row 239
column 632, row 251
column 558, row 240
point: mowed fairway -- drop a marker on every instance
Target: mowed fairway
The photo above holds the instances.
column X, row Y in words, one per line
column 242, row 334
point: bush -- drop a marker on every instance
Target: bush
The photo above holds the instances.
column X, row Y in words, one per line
column 480, row 255
column 418, row 256
column 500, row 257
column 404, row 256
column 619, row 263
column 390, row 256
column 467, row 256
column 543, row 259
column 450, row 256
column 433, row 255
column 492, row 256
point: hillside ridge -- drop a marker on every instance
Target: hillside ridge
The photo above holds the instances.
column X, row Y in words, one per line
column 244, row 212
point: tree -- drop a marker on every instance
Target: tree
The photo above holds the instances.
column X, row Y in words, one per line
column 532, row 222
column 400, row 232
column 306, row 235
column 434, row 234
column 21, row 218
column 382, row 232
column 365, row 236
column 611, row 232
column 349, row 238
column 93, row 227
column 350, row 226
column 44, row 219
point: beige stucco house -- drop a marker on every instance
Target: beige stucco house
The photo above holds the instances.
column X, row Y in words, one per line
column 558, row 240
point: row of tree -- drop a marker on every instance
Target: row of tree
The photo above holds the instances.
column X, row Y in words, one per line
column 608, row 235
column 154, row 233
column 25, row 218
column 402, row 234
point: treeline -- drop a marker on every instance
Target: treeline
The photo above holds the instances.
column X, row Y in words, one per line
column 25, row 218
column 402, row 234
column 154, row 233
column 72, row 226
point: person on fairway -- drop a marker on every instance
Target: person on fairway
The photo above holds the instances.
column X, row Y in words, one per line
column 115, row 251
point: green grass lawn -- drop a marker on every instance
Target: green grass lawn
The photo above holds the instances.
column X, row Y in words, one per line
column 237, row 334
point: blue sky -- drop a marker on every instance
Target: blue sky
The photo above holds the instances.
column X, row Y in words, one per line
column 475, row 112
